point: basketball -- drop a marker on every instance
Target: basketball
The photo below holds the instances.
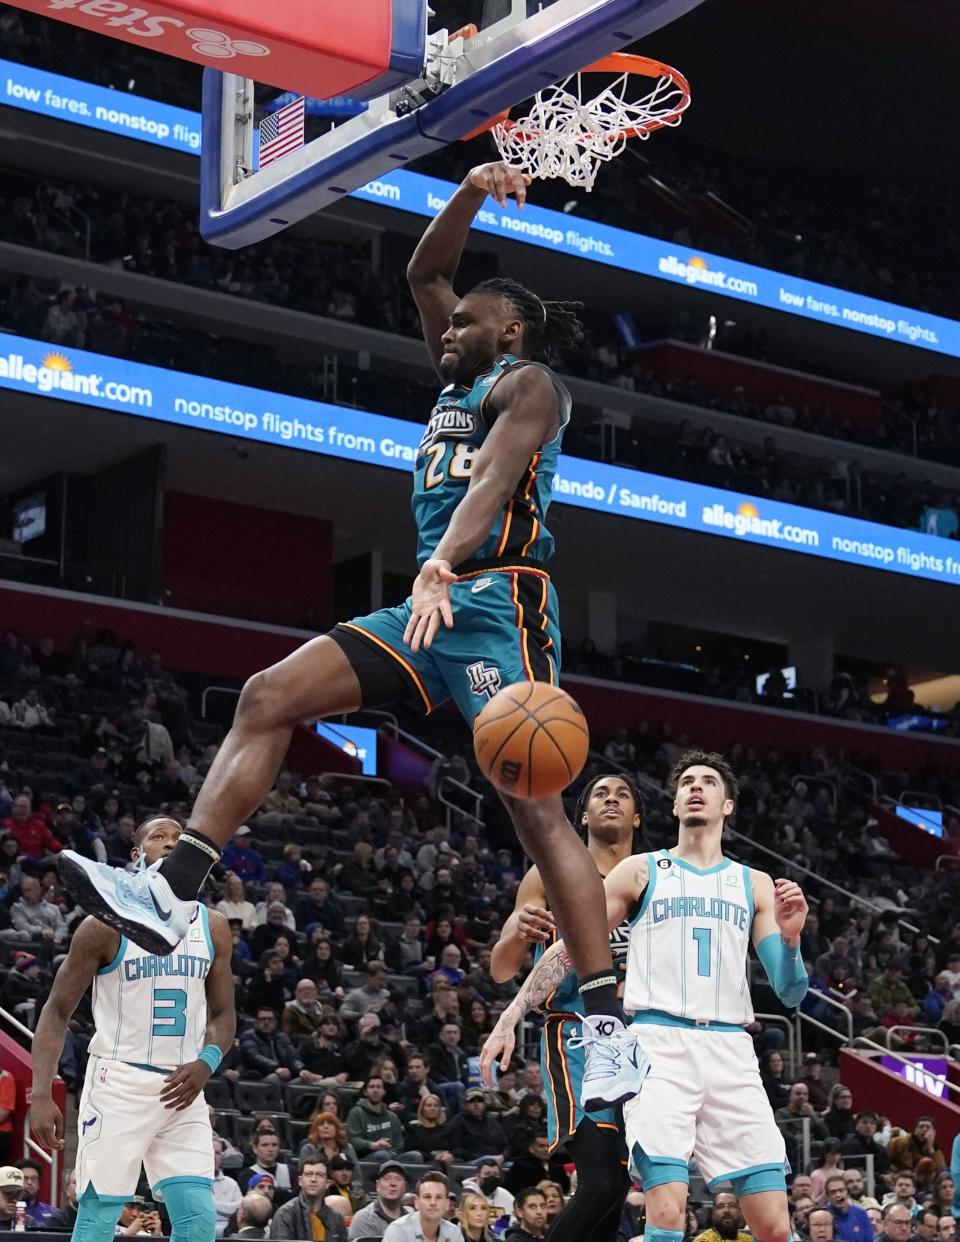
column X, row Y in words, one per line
column 531, row 740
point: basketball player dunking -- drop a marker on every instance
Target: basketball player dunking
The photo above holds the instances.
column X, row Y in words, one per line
column 696, row 913
column 161, row 1025
column 482, row 615
column 608, row 813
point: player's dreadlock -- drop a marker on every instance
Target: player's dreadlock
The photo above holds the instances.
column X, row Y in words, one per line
column 548, row 327
column 640, row 844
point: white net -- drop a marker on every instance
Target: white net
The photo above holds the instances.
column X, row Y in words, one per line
column 565, row 135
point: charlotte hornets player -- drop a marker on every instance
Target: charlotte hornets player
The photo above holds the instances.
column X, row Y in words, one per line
column 161, row 1024
column 696, row 914
column 482, row 614
column 608, row 812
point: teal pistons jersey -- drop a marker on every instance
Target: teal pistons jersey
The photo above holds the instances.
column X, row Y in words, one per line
column 457, row 429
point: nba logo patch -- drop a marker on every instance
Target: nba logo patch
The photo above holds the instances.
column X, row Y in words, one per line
column 102, row 1073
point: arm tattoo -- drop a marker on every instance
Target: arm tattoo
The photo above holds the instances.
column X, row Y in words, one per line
column 542, row 981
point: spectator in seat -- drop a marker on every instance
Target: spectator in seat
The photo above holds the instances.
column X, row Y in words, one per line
column 528, row 1118
column 906, row 1150
column 226, row 1193
column 862, row 1142
column 900, row 1030
column 361, row 1055
column 488, row 1182
column 375, row 1131
column 321, row 966
column 829, row 1162
column 267, row 934
column 343, row 1183
column 950, row 1022
column 318, row 906
column 483, row 982
column 476, row 1026
column 944, row 1191
column 937, row 999
column 445, row 1007
column 276, row 894
column 816, row 1089
column 417, row 1084
column 791, row 1118
column 371, row 997
column 449, row 967
column 357, row 875
column 327, row 1138
column 839, row 1115
column 295, row 870
column 857, row 1189
column 474, row 1133
column 404, row 955
column 282, row 800
column 904, row 1192
column 36, row 916
column 726, row 1223
column 428, row 1219
column 307, row 1216
column 530, row 1211
column 267, row 1054
column 473, row 1216
column 64, row 1219
column 896, row 1223
column 38, row 1212
column 429, row 1132
column 119, row 843
column 947, row 1228
column 890, row 989
column 34, row 839
column 925, row 1225
column 266, row 1161
column 820, row 1225
column 775, row 1080
column 390, row 1186
column 268, row 987
column 448, row 1060
column 304, row 1014
column 235, row 904
column 532, row 1167
column 363, row 946
column 253, row 1217
column 322, row 1054
column 242, row 859
column 850, row 1222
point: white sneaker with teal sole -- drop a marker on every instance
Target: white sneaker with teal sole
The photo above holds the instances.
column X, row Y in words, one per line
column 139, row 904
column 614, row 1066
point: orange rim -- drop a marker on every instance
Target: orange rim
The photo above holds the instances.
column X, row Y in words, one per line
column 617, row 63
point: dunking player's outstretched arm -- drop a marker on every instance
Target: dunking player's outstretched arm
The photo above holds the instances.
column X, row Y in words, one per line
column 434, row 264
column 94, row 945
column 524, row 407
column 780, row 911
column 622, row 888
column 183, row 1086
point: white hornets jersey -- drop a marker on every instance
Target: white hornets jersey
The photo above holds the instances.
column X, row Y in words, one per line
column 150, row 1010
column 689, row 942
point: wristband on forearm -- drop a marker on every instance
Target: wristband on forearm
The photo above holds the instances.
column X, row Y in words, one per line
column 211, row 1055
column 784, row 967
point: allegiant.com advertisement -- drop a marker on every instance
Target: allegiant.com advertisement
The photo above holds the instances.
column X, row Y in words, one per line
column 75, row 375
column 178, row 129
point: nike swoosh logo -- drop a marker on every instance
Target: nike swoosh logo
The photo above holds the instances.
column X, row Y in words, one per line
column 163, row 914
column 481, row 585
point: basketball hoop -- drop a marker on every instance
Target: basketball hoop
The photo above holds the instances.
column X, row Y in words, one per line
column 567, row 135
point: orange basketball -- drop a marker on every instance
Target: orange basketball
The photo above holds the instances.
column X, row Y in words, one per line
column 531, row 740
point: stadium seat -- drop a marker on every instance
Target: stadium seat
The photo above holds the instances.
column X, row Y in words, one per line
column 218, row 1092
column 303, row 1098
column 259, row 1097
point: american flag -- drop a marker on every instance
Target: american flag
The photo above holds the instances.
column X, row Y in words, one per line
column 281, row 132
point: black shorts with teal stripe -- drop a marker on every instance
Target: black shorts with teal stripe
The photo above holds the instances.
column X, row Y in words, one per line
column 562, row 1070
column 505, row 629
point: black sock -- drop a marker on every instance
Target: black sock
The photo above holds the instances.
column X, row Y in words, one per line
column 189, row 865
column 599, row 994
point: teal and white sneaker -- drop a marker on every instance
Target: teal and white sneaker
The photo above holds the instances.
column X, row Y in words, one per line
column 140, row 905
column 614, row 1066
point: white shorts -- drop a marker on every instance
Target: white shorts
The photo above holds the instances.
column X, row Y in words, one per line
column 122, row 1124
column 703, row 1098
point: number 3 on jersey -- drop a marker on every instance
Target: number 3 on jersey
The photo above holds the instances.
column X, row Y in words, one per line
column 169, row 1012
column 461, row 463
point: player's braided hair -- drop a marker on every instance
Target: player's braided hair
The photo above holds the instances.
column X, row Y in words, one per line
column 548, row 327
column 639, row 845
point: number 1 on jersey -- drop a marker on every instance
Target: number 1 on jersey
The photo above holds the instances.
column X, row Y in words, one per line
column 703, row 936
